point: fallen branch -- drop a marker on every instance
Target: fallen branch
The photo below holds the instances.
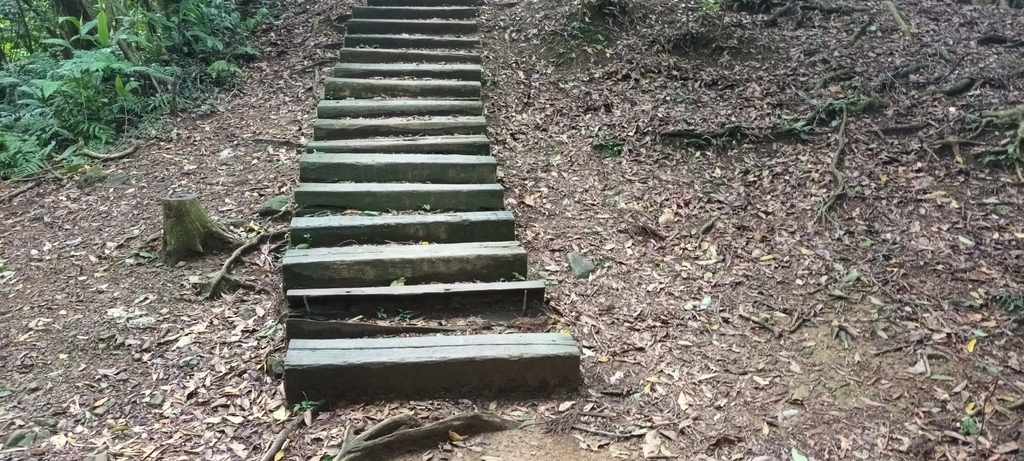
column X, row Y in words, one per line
column 218, row 281
column 614, row 435
column 861, row 30
column 309, row 67
column 116, row 155
column 833, row 168
column 895, row 12
column 389, row 437
column 761, row 323
column 286, row 431
column 19, row 191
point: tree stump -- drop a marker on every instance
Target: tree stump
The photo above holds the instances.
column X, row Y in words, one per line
column 189, row 230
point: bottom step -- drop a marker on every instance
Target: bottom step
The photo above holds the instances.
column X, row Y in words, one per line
column 431, row 366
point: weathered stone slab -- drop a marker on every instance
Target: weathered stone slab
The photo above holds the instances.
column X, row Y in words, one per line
column 431, row 366
column 418, row 264
column 344, row 88
column 429, row 168
column 354, row 128
column 413, row 26
column 480, row 226
column 383, row 56
column 413, row 12
column 410, row 41
column 428, row 3
column 402, row 196
column 335, row 302
column 460, row 145
column 396, row 107
column 468, row 72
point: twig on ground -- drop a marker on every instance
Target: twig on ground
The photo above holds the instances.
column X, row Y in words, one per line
column 604, row 433
column 19, row 191
column 833, row 167
column 215, row 284
column 116, row 155
column 889, row 349
column 761, row 323
column 286, row 431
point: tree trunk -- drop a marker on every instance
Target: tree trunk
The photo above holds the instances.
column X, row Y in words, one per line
column 189, row 230
column 75, row 9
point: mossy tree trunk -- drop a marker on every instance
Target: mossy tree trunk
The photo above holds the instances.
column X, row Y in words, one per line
column 189, row 230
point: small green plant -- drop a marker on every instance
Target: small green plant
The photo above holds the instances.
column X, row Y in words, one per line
column 304, row 406
column 403, row 315
column 398, row 282
column 425, row 207
column 381, row 314
column 517, row 277
column 793, row 127
column 969, row 426
column 609, row 147
column 1013, row 302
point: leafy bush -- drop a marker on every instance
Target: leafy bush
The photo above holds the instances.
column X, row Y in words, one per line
column 86, row 90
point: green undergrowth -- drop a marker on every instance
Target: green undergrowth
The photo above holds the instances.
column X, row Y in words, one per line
column 74, row 96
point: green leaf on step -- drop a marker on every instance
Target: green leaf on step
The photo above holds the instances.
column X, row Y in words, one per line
column 302, row 246
column 398, row 283
column 797, row 456
column 965, row 240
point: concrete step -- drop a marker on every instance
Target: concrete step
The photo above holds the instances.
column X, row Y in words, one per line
column 410, row 41
column 423, row 168
column 480, row 226
column 470, row 72
column 396, row 108
column 413, row 12
column 426, row 3
column 384, row 56
column 425, row 367
column 357, row 88
column 401, row 196
column 380, row 265
column 352, row 128
column 414, row 26
column 459, row 145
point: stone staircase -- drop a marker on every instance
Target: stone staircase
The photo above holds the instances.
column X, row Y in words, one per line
column 400, row 158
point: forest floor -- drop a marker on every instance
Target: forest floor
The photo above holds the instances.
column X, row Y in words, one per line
column 807, row 244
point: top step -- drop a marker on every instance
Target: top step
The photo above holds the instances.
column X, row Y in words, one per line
column 412, row 12
column 424, row 2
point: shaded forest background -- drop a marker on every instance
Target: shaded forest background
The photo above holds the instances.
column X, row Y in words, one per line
column 77, row 75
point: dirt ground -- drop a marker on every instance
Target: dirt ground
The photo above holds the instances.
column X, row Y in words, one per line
column 757, row 295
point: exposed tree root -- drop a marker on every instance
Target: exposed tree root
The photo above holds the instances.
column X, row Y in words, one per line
column 840, row 189
column 222, row 280
column 958, row 87
column 800, row 7
column 286, row 432
column 861, row 30
column 898, row 18
column 404, row 434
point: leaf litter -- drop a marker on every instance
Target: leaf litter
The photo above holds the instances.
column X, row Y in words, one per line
column 859, row 334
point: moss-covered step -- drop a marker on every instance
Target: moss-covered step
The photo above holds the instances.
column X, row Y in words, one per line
column 512, row 365
column 359, row 88
column 328, row 231
column 396, row 108
column 461, row 145
column 401, row 196
column 414, row 168
column 381, row 265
